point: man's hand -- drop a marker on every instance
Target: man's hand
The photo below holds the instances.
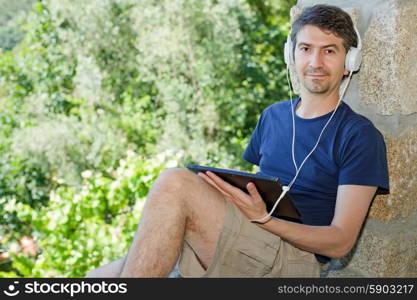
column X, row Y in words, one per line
column 212, row 183
column 251, row 205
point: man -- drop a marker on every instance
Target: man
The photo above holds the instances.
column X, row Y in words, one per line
column 206, row 222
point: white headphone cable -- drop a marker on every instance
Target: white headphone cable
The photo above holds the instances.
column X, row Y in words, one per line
column 285, row 188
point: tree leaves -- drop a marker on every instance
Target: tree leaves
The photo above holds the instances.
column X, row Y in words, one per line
column 101, row 96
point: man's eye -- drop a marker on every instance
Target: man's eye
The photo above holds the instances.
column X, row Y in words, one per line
column 303, row 49
column 329, row 51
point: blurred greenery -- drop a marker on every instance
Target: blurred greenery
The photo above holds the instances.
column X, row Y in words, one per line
column 100, row 96
column 11, row 14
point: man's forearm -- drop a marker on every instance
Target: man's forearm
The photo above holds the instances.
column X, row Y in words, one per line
column 326, row 240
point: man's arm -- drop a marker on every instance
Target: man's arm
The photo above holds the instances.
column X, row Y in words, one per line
column 335, row 240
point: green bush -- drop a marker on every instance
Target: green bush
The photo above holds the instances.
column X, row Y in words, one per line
column 80, row 229
column 94, row 80
column 10, row 14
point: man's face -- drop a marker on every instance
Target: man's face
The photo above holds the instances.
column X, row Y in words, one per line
column 319, row 60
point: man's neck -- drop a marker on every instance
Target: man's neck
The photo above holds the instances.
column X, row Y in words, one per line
column 313, row 105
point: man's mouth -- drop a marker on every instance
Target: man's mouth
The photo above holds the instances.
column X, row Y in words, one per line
column 316, row 75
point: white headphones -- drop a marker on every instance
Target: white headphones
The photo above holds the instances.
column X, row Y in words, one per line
column 353, row 57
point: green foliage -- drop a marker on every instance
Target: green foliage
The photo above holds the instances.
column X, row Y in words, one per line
column 80, row 229
column 97, row 90
column 260, row 77
column 9, row 9
column 10, row 13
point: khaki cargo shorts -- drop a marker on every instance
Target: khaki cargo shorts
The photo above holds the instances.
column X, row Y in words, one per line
column 246, row 250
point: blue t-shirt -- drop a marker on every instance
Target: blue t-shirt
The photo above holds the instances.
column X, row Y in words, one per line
column 351, row 151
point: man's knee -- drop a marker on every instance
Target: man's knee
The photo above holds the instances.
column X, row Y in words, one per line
column 176, row 179
column 189, row 189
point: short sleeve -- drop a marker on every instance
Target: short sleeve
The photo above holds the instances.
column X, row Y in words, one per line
column 363, row 160
column 252, row 153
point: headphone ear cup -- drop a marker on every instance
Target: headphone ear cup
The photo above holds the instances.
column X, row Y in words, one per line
column 353, row 59
column 287, row 53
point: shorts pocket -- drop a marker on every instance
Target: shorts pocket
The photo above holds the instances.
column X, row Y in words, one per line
column 301, row 269
column 299, row 263
column 252, row 254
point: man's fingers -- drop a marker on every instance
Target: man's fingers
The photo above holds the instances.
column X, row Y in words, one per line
column 253, row 191
column 207, row 179
column 212, row 183
column 228, row 188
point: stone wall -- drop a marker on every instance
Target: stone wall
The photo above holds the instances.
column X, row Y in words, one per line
column 385, row 91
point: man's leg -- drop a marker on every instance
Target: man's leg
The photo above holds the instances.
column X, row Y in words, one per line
column 181, row 205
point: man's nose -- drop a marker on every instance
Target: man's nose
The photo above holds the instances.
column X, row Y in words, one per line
column 316, row 59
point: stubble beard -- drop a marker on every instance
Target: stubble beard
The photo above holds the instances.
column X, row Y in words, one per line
column 316, row 87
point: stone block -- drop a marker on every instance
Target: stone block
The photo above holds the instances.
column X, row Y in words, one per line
column 383, row 250
column 387, row 76
column 402, row 164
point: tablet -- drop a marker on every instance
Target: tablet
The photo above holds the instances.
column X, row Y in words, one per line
column 269, row 188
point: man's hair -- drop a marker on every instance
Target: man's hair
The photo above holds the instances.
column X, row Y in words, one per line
column 327, row 18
